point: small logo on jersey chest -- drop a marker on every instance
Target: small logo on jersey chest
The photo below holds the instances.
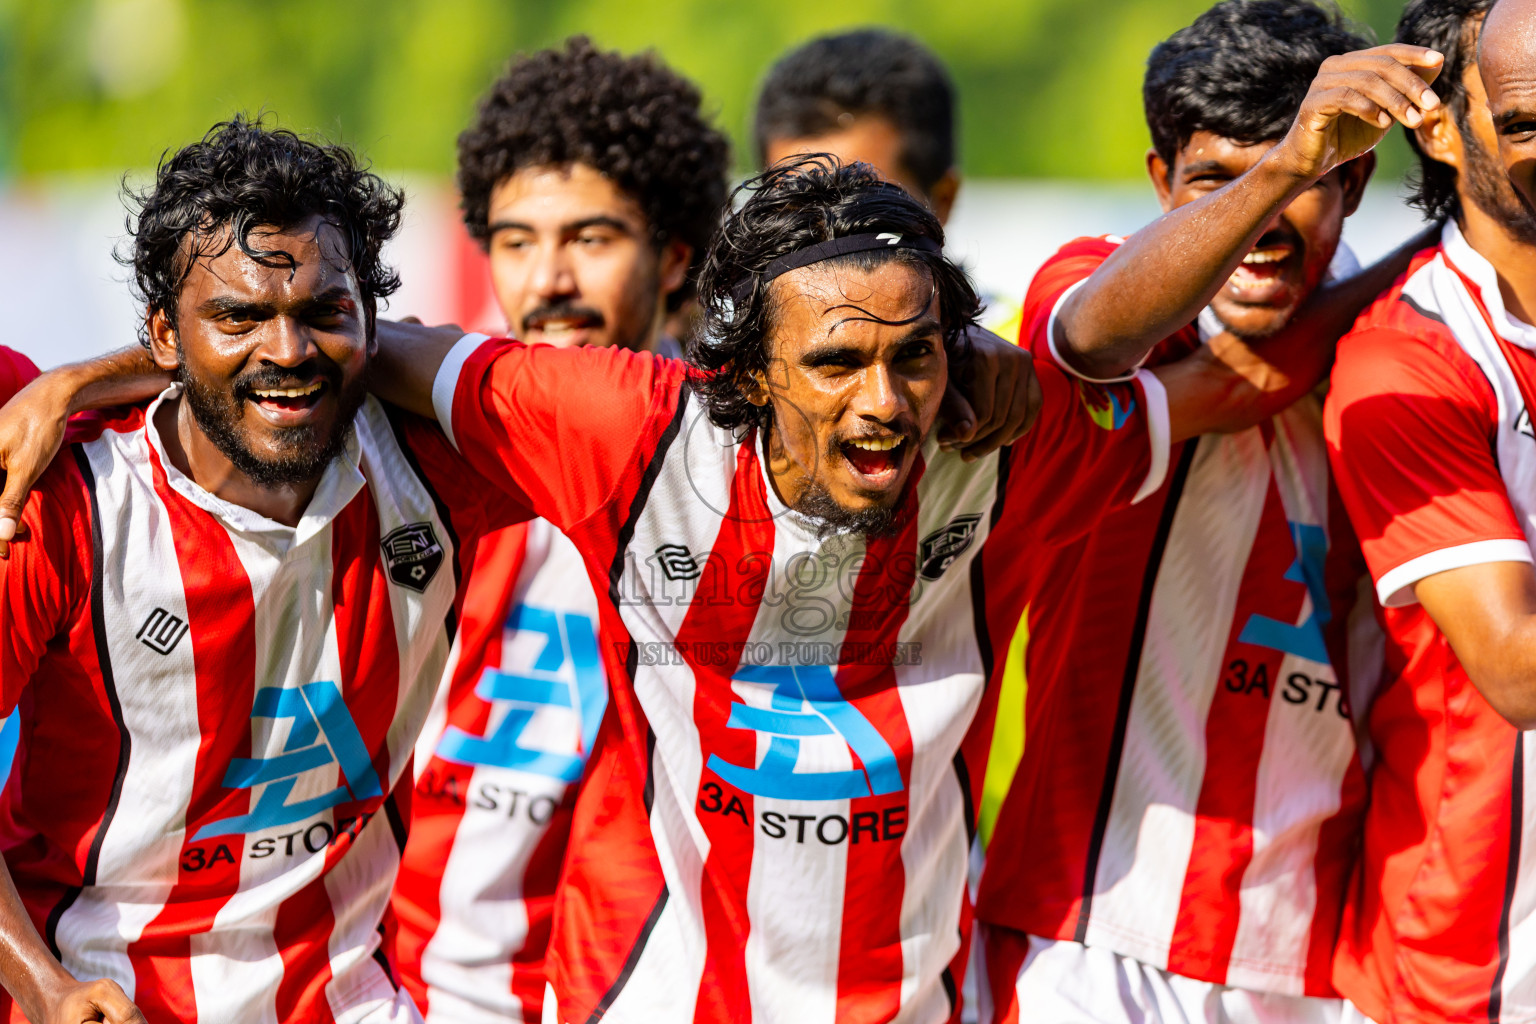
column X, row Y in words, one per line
column 941, row 547
column 1523, row 424
column 162, row 631
column 412, row 555
column 678, row 563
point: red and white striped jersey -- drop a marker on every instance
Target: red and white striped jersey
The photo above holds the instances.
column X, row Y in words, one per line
column 496, row 773
column 218, row 713
column 777, row 816
column 1185, row 789
column 1435, row 456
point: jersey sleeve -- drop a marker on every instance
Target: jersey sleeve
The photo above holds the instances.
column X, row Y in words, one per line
column 1096, row 446
column 1411, row 435
column 16, row 372
column 44, row 585
column 1056, row 280
column 556, row 429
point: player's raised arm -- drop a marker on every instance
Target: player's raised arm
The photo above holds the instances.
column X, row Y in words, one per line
column 1164, row 274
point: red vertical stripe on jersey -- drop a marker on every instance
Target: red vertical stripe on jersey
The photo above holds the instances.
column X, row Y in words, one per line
column 711, row 637
column 1345, row 577
column 224, row 655
column 1209, row 906
column 870, row 955
column 540, row 880
column 363, row 618
column 442, row 792
column 1004, row 952
column 1332, row 874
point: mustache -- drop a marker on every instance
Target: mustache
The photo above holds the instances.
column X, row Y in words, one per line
column 265, row 378
column 561, row 311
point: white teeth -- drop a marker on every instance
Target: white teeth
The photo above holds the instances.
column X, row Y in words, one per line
column 877, row 444
column 308, row 389
column 1266, row 256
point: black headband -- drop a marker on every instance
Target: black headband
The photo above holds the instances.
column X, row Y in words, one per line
column 827, row 250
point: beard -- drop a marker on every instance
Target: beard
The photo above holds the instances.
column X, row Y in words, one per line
column 818, row 505
column 1489, row 188
column 303, row 452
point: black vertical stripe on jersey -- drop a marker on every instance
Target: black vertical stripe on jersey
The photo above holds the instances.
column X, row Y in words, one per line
column 983, row 632
column 605, row 1003
column 393, row 414
column 1512, row 873
column 1128, row 683
column 397, row 825
column 963, row 777
column 649, row 793
column 631, row 662
column 382, row 958
column 109, row 684
column 951, row 990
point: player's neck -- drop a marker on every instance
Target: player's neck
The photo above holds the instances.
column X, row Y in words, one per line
column 194, row 454
column 1513, row 260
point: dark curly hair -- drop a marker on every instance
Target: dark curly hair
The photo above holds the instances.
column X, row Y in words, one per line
column 1451, row 27
column 632, row 119
column 1240, row 70
column 792, row 205
column 208, row 196
column 868, row 71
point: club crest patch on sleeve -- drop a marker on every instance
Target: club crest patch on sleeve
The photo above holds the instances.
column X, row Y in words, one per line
column 940, row 548
column 412, row 555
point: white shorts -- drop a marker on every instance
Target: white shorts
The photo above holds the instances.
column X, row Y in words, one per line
column 1069, row 983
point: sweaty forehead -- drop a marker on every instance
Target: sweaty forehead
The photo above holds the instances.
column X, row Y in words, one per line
column 820, row 299
column 1208, row 148
column 1506, row 51
column 317, row 247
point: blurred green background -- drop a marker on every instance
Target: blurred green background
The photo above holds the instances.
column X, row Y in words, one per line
column 1049, row 88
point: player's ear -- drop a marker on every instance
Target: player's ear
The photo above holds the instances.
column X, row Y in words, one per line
column 1162, row 179
column 1354, row 176
column 942, row 196
column 675, row 257
column 1439, row 137
column 162, row 340
column 371, row 324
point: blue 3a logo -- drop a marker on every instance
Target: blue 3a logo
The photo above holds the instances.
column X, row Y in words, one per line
column 566, row 673
column 806, row 704
column 322, row 734
column 1305, row 640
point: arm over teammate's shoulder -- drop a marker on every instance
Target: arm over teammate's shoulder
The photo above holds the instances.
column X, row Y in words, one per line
column 557, row 429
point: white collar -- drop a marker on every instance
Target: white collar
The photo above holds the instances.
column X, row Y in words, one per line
column 339, row 484
column 1476, row 266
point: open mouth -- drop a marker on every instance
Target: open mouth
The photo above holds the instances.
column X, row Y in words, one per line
column 289, row 403
column 562, row 330
column 876, row 461
column 1262, row 274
